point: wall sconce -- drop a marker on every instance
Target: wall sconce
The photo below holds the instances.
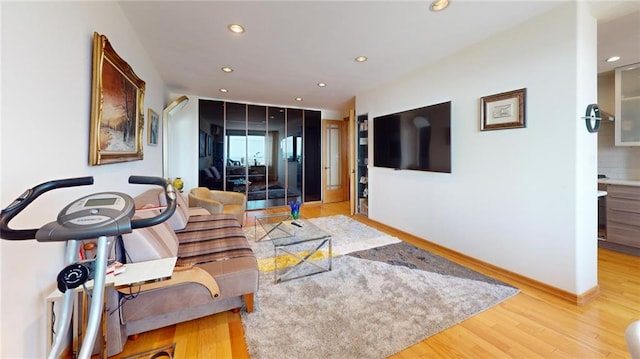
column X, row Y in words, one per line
column 592, row 118
column 439, row 5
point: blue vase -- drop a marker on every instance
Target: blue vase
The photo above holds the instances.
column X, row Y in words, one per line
column 295, row 209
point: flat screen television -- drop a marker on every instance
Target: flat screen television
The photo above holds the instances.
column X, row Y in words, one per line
column 418, row 139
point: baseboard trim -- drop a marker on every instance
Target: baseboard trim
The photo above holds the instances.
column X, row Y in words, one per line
column 588, row 296
column 512, row 278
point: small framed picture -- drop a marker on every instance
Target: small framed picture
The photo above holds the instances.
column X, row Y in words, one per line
column 502, row 111
column 153, row 127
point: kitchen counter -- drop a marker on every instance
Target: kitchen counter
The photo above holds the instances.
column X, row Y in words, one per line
column 635, row 183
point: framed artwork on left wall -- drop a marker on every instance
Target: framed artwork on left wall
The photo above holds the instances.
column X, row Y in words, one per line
column 117, row 102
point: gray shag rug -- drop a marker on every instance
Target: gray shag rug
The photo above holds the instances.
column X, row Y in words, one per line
column 374, row 303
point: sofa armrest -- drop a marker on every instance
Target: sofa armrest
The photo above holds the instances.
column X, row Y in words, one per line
column 229, row 197
column 181, row 275
column 198, row 211
column 209, row 204
column 148, row 198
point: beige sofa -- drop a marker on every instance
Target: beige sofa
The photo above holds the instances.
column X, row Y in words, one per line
column 213, row 254
column 219, row 201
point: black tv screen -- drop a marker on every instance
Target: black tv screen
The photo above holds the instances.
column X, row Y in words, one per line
column 418, row 139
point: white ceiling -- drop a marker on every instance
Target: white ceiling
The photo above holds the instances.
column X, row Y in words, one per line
column 620, row 37
column 289, row 47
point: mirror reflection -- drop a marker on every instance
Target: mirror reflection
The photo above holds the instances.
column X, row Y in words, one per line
column 252, row 149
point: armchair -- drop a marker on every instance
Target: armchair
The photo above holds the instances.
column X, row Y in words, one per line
column 219, row 202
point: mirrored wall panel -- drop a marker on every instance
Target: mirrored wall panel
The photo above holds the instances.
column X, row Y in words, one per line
column 235, row 143
column 211, row 147
column 293, row 155
column 260, row 151
column 312, row 160
column 257, row 153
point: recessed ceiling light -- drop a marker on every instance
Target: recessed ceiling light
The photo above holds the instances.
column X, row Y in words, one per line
column 439, row 5
column 321, row 84
column 298, row 98
column 227, row 69
column 224, row 90
column 361, row 59
column 613, row 59
column 238, row 29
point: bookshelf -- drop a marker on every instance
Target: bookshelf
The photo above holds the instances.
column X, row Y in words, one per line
column 362, row 161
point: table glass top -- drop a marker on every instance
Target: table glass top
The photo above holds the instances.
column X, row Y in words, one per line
column 283, row 230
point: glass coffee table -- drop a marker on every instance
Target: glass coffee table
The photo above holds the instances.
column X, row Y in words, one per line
column 297, row 246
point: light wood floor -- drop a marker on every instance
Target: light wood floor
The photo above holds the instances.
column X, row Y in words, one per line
column 532, row 324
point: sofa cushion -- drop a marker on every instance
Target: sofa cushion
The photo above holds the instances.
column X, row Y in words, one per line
column 207, row 245
column 155, row 242
column 213, row 173
column 210, row 221
column 148, row 198
column 181, row 216
column 216, row 173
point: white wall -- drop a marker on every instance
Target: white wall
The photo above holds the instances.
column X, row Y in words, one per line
column 182, row 144
column 46, row 99
column 521, row 199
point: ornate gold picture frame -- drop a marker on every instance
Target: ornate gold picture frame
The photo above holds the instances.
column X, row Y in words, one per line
column 503, row 110
column 117, row 102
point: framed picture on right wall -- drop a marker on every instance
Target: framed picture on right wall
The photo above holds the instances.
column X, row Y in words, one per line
column 502, row 111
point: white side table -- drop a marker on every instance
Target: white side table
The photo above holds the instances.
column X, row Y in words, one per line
column 134, row 274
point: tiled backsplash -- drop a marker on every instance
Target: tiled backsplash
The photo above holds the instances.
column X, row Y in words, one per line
column 621, row 162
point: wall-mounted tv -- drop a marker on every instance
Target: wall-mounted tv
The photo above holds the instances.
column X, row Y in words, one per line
column 418, row 139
